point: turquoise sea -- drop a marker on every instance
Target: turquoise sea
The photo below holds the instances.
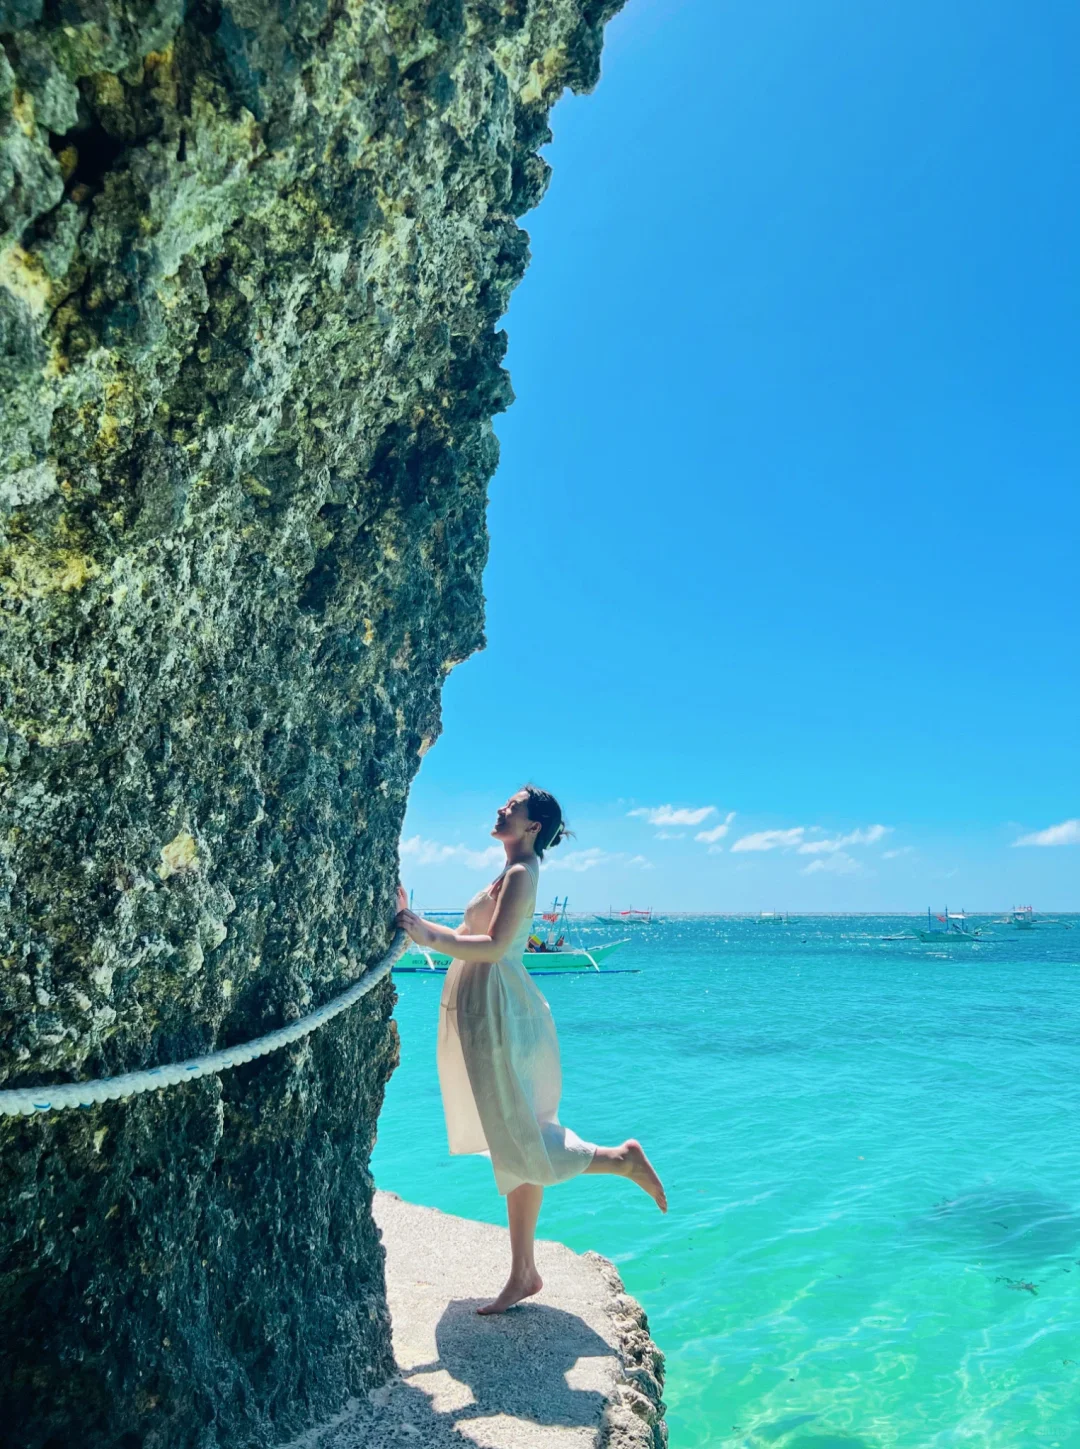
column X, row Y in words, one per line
column 872, row 1153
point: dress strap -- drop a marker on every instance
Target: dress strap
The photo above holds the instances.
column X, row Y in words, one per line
column 496, row 884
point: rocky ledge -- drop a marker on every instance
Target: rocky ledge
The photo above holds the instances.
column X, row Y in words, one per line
column 573, row 1368
column 252, row 256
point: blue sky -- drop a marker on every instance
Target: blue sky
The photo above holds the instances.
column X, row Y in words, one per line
column 786, row 520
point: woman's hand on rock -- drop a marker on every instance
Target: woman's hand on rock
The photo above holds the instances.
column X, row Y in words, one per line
column 415, row 927
column 402, row 898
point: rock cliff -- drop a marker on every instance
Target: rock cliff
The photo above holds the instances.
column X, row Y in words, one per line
column 251, row 261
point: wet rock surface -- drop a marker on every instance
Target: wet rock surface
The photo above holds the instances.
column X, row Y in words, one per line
column 251, row 262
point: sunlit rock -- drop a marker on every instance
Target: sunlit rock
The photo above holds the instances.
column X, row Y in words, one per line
column 252, row 258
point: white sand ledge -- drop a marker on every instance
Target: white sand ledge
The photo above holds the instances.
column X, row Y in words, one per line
column 574, row 1366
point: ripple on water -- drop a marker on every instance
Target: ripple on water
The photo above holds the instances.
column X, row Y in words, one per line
column 1001, row 1222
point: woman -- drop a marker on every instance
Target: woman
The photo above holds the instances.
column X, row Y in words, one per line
column 498, row 1054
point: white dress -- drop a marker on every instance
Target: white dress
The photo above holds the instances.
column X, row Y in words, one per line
column 498, row 1059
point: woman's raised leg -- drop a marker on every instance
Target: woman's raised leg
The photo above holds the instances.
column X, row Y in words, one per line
column 522, row 1211
column 629, row 1160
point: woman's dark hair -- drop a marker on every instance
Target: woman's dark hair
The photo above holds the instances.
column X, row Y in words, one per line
column 545, row 809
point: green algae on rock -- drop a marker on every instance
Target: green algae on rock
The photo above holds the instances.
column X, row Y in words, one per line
column 251, row 262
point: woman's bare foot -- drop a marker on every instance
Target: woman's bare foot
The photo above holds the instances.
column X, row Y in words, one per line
column 639, row 1169
column 517, row 1288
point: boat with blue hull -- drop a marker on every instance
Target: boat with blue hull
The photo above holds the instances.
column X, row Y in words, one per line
column 949, row 929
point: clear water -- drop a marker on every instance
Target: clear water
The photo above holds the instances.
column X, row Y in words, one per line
column 872, row 1154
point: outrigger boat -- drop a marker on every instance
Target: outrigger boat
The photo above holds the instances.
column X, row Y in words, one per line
column 1025, row 919
column 953, row 926
column 557, row 952
column 629, row 917
column 548, row 950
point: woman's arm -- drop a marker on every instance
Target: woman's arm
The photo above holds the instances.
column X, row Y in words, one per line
column 510, row 907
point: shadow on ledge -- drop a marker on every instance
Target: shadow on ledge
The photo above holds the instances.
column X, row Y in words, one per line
column 510, row 1377
column 479, row 1353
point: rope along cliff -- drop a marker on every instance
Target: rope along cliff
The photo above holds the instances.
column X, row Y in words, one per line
column 26, row 1101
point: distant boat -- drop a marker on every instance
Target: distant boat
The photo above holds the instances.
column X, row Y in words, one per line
column 951, row 927
column 1025, row 919
column 629, row 917
column 770, row 918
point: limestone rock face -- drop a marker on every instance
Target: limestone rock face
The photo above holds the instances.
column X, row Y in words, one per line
column 251, row 261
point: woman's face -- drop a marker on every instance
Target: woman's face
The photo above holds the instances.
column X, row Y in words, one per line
column 512, row 819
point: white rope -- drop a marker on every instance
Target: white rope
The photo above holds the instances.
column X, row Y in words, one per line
column 25, row 1101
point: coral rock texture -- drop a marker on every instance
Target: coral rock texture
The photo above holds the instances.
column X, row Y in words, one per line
column 251, row 259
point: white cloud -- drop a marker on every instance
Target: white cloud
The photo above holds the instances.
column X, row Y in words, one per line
column 839, row 862
column 418, row 851
column 710, row 837
column 668, row 815
column 770, row 839
column 580, row 860
column 902, row 850
column 430, row 852
column 670, row 834
column 870, row 836
column 1067, row 833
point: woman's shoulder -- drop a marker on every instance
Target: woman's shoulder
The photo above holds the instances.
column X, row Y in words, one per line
column 520, row 869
